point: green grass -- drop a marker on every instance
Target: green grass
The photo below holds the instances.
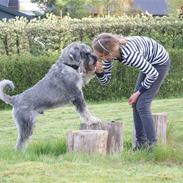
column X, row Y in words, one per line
column 46, row 160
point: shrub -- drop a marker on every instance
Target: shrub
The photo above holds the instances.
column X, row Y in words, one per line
column 43, row 36
column 124, row 78
column 26, row 70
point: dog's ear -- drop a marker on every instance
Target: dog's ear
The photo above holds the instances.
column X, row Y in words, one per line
column 85, row 49
column 74, row 54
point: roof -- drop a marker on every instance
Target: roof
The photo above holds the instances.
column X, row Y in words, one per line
column 4, row 2
column 12, row 13
column 154, row 7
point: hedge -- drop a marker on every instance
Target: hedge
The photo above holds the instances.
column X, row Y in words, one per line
column 43, row 36
column 26, row 70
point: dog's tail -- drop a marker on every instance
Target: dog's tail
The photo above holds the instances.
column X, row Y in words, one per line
column 6, row 98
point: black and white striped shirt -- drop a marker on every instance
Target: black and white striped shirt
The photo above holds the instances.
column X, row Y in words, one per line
column 142, row 53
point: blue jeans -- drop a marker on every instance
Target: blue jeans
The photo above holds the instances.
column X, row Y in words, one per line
column 142, row 116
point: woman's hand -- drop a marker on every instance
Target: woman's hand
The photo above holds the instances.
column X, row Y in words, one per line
column 133, row 98
column 99, row 67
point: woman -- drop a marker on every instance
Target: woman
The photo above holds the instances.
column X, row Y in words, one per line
column 151, row 59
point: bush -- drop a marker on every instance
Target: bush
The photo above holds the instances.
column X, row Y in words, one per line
column 26, row 70
column 124, row 78
column 43, row 36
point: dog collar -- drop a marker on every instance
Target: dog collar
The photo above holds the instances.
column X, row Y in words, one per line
column 73, row 66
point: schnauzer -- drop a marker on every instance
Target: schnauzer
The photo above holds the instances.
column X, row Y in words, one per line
column 61, row 85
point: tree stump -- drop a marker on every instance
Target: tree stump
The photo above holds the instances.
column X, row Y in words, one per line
column 160, row 123
column 89, row 141
column 115, row 131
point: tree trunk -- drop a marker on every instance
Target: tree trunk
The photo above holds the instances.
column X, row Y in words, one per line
column 115, row 131
column 88, row 141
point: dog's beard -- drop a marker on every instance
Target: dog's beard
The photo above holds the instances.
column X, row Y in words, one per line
column 87, row 73
column 86, row 77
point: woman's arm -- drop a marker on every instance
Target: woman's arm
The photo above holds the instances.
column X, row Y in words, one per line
column 135, row 59
column 103, row 72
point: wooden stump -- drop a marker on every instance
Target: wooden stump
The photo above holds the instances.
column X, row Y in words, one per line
column 160, row 123
column 89, row 141
column 115, row 131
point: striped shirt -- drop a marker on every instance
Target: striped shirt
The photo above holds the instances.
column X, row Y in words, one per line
column 139, row 52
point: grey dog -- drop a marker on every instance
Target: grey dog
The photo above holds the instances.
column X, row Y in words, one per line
column 61, row 85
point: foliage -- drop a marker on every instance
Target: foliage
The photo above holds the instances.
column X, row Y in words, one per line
column 174, row 6
column 44, row 36
column 123, row 82
column 25, row 70
column 82, row 8
column 75, row 9
column 99, row 7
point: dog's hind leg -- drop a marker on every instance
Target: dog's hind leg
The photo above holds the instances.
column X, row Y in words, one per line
column 24, row 122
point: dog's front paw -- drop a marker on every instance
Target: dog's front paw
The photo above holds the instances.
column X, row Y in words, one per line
column 93, row 120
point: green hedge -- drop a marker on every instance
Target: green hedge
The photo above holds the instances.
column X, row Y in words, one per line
column 44, row 36
column 26, row 70
column 124, row 78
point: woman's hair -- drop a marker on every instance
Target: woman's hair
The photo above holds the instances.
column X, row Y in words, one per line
column 106, row 42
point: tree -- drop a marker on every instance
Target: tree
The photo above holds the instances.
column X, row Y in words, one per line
column 75, row 8
column 54, row 6
column 81, row 8
column 115, row 7
column 110, row 7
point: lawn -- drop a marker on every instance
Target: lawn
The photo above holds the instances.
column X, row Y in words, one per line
column 45, row 159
